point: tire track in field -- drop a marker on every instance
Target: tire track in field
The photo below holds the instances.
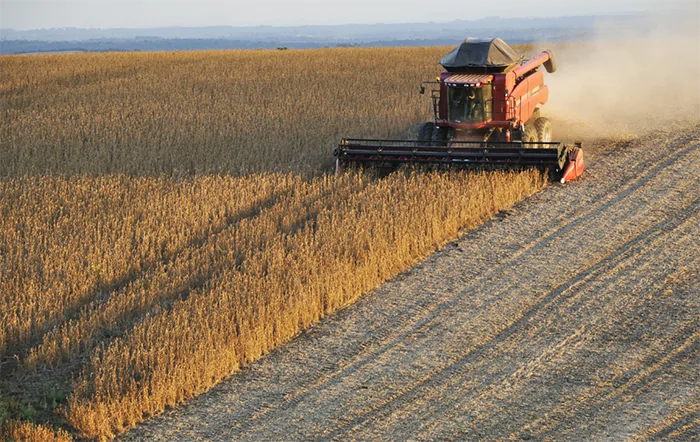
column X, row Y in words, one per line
column 561, row 349
column 684, row 421
column 687, row 429
column 645, row 376
column 415, row 391
column 631, row 309
column 625, row 313
column 452, row 404
column 382, row 341
column 590, row 401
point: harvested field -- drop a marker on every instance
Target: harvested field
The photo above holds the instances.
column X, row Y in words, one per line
column 572, row 316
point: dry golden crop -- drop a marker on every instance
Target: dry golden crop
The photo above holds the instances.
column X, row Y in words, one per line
column 166, row 217
column 25, row 432
column 229, row 111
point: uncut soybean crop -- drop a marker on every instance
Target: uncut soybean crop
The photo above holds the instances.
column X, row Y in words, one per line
column 167, row 218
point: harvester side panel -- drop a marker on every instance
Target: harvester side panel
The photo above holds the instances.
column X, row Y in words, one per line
column 528, row 94
column 502, row 107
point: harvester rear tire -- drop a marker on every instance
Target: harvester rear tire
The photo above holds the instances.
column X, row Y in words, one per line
column 530, row 136
column 425, row 131
column 544, row 131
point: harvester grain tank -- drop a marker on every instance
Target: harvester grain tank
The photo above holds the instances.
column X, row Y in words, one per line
column 486, row 107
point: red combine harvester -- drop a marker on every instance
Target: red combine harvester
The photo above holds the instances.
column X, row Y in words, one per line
column 487, row 113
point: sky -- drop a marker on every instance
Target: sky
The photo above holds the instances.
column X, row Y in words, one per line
column 35, row 14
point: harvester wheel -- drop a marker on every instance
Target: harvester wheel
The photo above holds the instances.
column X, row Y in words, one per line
column 530, row 136
column 425, row 131
column 441, row 134
column 544, row 131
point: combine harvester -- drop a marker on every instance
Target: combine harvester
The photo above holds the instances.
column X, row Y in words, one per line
column 486, row 114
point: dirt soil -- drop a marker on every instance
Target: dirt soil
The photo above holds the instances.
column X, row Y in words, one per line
column 573, row 316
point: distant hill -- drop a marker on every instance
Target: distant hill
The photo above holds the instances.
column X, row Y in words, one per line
column 513, row 30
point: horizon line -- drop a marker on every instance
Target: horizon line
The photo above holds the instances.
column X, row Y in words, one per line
column 495, row 17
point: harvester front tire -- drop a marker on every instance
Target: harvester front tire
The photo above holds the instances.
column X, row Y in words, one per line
column 544, row 131
column 425, row 131
column 441, row 135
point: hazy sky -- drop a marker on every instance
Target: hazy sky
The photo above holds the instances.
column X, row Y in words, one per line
column 32, row 14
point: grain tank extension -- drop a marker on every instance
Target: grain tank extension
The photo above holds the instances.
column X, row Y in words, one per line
column 486, row 107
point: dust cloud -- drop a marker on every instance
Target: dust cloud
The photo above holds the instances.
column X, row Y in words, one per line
column 629, row 82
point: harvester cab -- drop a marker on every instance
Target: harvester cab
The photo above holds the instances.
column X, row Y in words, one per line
column 486, row 107
column 469, row 104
